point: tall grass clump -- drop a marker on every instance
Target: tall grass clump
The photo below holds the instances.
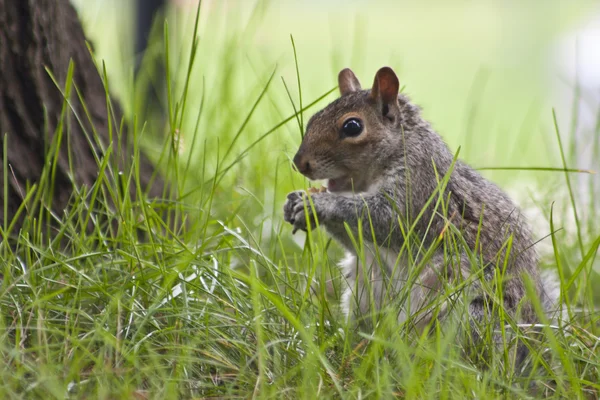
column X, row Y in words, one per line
column 204, row 292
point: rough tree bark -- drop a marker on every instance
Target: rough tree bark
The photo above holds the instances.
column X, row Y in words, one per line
column 34, row 35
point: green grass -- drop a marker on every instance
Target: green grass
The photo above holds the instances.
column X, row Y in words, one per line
column 206, row 293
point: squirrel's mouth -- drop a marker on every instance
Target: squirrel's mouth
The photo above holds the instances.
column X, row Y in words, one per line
column 341, row 184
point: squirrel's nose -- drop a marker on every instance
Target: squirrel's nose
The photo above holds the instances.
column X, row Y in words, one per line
column 301, row 163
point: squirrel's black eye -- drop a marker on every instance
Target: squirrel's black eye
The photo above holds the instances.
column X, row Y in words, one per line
column 352, row 127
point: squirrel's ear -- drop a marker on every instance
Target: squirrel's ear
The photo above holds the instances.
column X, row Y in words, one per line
column 385, row 90
column 348, row 82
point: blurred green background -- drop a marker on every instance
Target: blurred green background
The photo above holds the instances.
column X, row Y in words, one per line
column 496, row 60
column 487, row 75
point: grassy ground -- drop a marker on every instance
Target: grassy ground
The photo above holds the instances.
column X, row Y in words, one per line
column 206, row 293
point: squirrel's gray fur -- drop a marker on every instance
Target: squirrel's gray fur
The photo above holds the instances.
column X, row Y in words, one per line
column 384, row 177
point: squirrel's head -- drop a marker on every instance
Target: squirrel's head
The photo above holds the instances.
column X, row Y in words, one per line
column 350, row 141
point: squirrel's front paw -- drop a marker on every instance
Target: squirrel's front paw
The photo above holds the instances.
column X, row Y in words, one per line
column 294, row 210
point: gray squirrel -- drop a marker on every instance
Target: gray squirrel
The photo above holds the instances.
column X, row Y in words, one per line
column 386, row 175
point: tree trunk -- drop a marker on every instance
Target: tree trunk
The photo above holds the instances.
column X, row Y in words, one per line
column 35, row 35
